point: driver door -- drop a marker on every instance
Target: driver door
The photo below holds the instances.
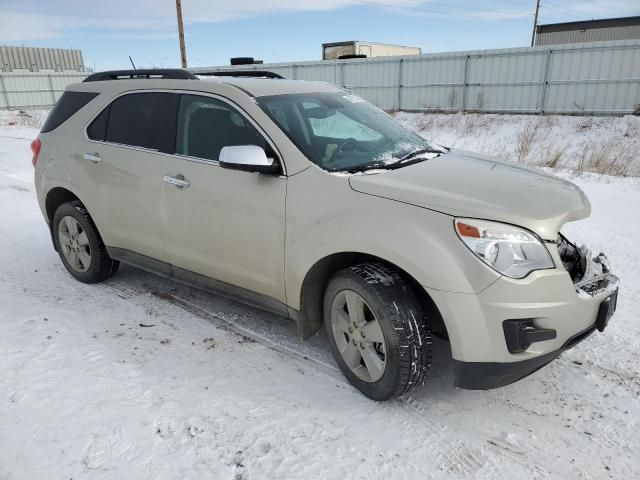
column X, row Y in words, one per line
column 225, row 224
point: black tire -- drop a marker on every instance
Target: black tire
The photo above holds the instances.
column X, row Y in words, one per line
column 403, row 322
column 102, row 266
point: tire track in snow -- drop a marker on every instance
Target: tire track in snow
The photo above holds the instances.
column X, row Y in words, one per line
column 463, row 451
column 244, row 332
column 223, row 322
column 445, row 441
column 492, row 469
column 460, row 458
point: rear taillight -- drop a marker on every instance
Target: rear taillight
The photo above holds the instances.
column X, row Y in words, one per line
column 36, row 145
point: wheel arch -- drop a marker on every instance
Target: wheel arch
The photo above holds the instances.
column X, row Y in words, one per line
column 317, row 278
column 56, row 197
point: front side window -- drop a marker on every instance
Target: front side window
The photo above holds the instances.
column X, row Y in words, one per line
column 340, row 131
column 206, row 125
column 136, row 119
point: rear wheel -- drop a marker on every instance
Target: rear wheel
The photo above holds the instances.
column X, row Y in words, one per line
column 377, row 330
column 79, row 245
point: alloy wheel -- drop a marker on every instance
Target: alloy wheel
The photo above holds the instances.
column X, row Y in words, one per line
column 74, row 244
column 358, row 335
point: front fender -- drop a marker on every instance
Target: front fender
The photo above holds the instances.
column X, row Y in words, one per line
column 326, row 217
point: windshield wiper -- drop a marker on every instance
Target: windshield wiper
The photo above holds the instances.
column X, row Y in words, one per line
column 362, row 168
column 386, row 166
column 420, row 151
column 409, row 159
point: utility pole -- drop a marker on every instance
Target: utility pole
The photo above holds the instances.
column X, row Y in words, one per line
column 535, row 23
column 183, row 51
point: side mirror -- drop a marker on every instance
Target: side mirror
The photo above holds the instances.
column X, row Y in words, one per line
column 249, row 158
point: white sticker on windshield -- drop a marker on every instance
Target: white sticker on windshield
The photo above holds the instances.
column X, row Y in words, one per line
column 353, row 98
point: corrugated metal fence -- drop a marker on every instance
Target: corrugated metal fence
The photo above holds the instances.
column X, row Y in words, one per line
column 34, row 90
column 597, row 78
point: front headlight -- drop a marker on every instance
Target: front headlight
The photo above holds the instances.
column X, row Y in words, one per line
column 512, row 251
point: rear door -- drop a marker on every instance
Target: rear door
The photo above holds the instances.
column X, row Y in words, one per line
column 123, row 159
column 224, row 224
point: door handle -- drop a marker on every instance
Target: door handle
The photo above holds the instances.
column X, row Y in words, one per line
column 179, row 181
column 92, row 157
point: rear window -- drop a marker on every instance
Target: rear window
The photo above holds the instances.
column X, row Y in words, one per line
column 68, row 104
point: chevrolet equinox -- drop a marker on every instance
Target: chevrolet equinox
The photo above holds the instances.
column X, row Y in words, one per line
column 308, row 201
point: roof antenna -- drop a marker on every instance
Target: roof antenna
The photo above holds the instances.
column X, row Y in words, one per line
column 132, row 64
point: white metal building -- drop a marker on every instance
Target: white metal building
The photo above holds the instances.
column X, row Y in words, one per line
column 336, row 50
column 46, row 60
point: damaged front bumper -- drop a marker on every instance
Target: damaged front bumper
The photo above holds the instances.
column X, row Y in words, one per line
column 514, row 327
column 591, row 275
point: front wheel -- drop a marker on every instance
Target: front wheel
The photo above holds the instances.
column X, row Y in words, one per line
column 378, row 330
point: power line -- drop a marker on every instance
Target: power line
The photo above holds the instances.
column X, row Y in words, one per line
column 555, row 6
column 559, row 11
column 508, row 2
column 422, row 10
column 460, row 7
column 597, row 4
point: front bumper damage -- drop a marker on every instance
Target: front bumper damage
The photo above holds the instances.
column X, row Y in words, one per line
column 523, row 325
column 591, row 275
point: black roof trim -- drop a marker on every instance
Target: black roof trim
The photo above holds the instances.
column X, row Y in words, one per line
column 165, row 73
column 241, row 73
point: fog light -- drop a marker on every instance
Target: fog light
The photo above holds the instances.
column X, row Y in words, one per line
column 520, row 334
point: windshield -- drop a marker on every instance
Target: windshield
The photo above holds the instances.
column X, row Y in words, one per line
column 342, row 132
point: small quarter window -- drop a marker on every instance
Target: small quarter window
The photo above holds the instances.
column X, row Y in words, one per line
column 98, row 128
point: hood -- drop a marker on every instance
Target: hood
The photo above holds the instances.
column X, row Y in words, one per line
column 466, row 184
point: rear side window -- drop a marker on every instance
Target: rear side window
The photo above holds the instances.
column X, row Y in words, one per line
column 139, row 119
column 68, row 104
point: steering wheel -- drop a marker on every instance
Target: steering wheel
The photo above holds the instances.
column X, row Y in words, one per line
column 348, row 146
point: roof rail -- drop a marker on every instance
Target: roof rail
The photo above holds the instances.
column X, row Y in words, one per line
column 241, row 73
column 166, row 73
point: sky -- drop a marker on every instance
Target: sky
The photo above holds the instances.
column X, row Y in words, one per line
column 109, row 31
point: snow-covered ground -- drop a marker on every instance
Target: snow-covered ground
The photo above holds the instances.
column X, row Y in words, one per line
column 141, row 378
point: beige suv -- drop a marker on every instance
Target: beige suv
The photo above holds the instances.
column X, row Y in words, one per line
column 306, row 200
